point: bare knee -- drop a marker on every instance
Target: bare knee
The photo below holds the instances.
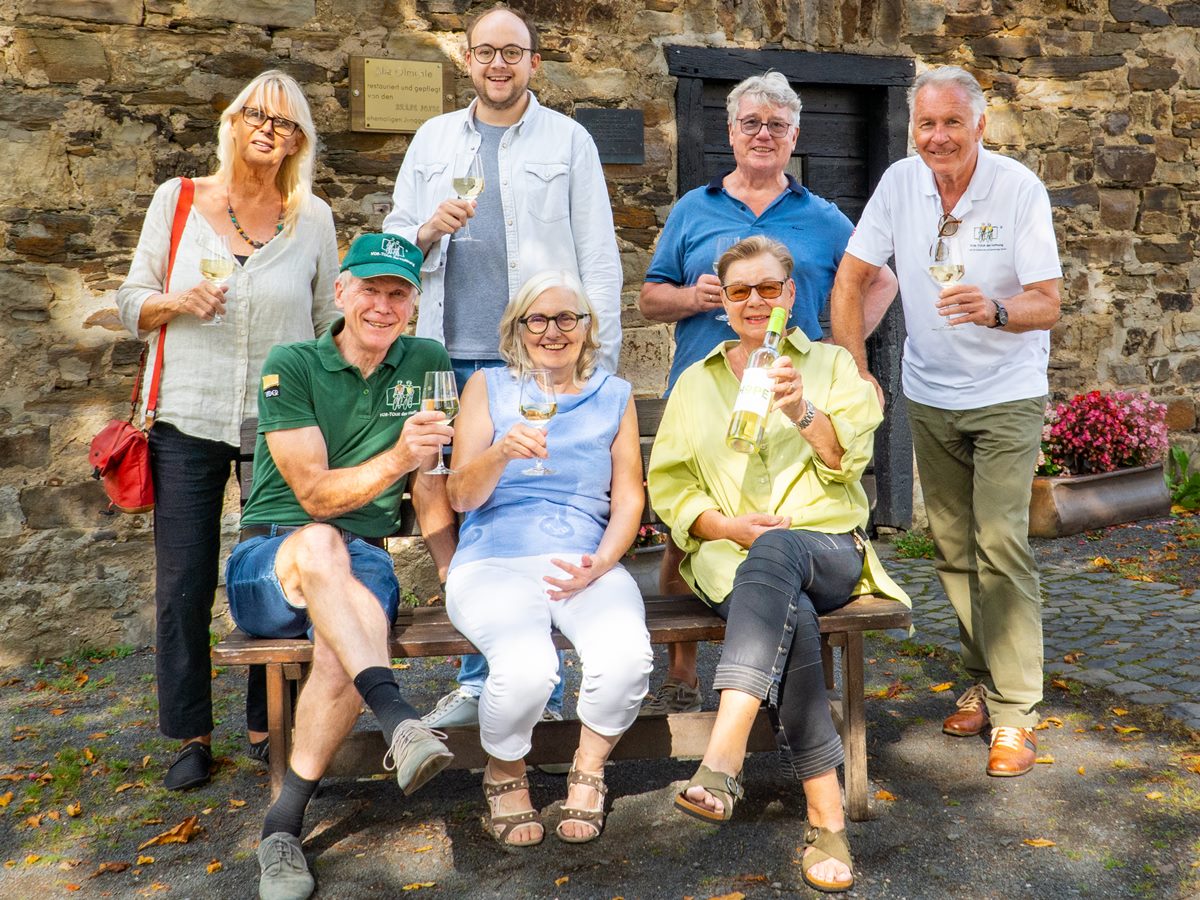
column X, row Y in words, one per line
column 309, row 557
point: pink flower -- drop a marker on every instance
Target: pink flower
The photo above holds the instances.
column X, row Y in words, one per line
column 1098, row 432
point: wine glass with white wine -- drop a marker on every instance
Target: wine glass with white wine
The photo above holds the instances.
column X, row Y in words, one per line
column 722, row 244
column 467, row 184
column 538, row 406
column 946, row 266
column 216, row 265
column 440, row 393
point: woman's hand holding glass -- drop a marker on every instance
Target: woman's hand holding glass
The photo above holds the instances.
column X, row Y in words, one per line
column 216, row 265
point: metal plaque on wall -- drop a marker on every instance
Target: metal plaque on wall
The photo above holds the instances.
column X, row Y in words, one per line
column 397, row 95
column 618, row 133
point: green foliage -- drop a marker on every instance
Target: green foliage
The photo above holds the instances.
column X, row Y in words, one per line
column 1182, row 481
column 913, row 545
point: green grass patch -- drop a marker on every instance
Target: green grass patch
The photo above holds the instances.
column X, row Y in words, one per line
column 913, row 545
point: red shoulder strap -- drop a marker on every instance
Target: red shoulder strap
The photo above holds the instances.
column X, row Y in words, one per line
column 187, row 190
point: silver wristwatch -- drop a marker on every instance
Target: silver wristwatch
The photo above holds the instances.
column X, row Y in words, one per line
column 1001, row 315
column 810, row 413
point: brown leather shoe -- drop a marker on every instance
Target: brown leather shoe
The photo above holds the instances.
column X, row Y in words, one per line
column 1014, row 751
column 971, row 717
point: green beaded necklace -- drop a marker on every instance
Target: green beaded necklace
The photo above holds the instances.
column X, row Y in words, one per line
column 257, row 245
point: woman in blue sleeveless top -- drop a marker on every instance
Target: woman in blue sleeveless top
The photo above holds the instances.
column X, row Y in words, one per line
column 542, row 552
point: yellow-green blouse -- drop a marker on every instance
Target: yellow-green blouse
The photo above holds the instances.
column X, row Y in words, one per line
column 692, row 470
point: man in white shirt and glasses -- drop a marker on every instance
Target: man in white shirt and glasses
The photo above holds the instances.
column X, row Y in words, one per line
column 544, row 205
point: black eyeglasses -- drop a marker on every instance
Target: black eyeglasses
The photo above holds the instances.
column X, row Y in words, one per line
column 768, row 290
column 256, row 117
column 752, row 125
column 565, row 321
column 510, row 53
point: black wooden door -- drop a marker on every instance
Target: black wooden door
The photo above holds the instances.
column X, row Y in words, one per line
column 853, row 126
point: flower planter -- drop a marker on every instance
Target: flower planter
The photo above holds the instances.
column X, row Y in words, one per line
column 643, row 565
column 1062, row 505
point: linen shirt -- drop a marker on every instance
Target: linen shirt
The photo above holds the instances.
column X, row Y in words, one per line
column 309, row 384
column 556, row 211
column 1007, row 233
column 692, row 470
column 282, row 293
column 814, row 231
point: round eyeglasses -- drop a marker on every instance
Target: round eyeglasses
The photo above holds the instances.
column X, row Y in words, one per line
column 752, row 125
column 564, row 321
column 738, row 293
column 510, row 53
column 256, row 117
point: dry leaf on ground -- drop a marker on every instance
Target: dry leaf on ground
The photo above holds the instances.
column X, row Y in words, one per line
column 109, row 867
column 1045, row 758
column 1155, row 795
column 944, row 686
column 179, row 834
column 884, row 795
column 1126, row 729
column 1038, row 842
column 417, row 885
column 559, row 882
column 213, row 866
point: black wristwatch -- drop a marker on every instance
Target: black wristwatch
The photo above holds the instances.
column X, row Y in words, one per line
column 1001, row 315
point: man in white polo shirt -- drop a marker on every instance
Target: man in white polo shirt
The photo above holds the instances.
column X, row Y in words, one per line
column 975, row 381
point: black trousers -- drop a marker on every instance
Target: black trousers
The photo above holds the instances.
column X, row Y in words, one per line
column 773, row 641
column 190, row 475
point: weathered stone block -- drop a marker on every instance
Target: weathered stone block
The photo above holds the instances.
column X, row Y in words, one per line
column 1080, row 195
column 1175, row 302
column 1186, row 115
column 268, row 13
column 1173, row 252
column 1118, row 209
column 1010, row 46
column 25, row 445
column 1055, row 167
column 1152, row 78
column 12, row 520
column 119, row 12
column 1185, row 14
column 71, row 506
column 68, row 58
column 1142, row 13
column 1068, row 66
column 46, row 236
column 1125, row 164
column 1181, row 415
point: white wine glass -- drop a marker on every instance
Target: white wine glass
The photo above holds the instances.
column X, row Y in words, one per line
column 440, row 393
column 538, row 406
column 467, row 184
column 721, row 245
column 216, row 265
column 946, row 266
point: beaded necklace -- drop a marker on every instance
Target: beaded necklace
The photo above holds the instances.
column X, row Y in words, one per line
column 257, row 245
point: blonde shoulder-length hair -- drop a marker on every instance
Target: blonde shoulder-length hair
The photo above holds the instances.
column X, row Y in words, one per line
column 277, row 94
column 512, row 347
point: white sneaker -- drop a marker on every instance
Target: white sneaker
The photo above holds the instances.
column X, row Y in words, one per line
column 456, row 708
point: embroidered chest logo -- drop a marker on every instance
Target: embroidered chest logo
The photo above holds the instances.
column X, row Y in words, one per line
column 403, row 399
column 987, row 236
column 270, row 385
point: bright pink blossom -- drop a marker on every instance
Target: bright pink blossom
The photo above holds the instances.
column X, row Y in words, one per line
column 1099, row 432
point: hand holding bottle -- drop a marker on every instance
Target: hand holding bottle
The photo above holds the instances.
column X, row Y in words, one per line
column 788, row 388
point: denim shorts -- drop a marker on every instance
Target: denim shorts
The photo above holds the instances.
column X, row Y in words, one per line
column 256, row 599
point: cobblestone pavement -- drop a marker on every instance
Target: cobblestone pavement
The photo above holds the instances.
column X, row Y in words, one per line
column 1139, row 640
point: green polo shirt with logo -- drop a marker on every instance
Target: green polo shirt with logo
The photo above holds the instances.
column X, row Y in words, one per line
column 310, row 383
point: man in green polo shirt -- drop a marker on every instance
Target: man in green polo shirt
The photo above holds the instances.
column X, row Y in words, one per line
column 340, row 430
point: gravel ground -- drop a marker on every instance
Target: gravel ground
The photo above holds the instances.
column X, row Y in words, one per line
column 1122, row 810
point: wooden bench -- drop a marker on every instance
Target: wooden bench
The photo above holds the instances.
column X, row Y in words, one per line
column 427, row 632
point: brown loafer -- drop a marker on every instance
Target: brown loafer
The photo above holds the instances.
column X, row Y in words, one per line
column 971, row 715
column 1013, row 751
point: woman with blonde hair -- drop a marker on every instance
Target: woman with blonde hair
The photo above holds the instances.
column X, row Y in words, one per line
column 258, row 213
column 536, row 553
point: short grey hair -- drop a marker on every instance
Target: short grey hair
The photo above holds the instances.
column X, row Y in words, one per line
column 769, row 89
column 950, row 76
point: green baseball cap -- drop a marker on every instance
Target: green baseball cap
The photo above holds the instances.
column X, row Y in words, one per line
column 372, row 255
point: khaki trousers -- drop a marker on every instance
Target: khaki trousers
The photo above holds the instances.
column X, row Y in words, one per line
column 976, row 468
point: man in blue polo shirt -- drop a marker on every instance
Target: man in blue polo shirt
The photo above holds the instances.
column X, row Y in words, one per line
column 757, row 198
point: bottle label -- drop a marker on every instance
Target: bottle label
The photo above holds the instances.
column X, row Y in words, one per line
column 755, row 393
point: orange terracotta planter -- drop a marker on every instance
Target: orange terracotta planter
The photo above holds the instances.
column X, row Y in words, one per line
column 1063, row 505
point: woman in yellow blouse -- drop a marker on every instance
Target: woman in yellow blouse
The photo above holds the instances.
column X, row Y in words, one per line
column 772, row 540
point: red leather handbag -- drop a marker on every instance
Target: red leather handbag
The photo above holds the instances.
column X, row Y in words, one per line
column 120, row 453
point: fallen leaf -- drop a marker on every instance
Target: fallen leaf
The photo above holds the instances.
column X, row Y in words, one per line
column 1045, row 758
column 207, row 811
column 121, row 788
column 109, row 867
column 53, row 815
column 1126, row 729
column 401, row 665
column 213, row 867
column 31, row 859
column 1118, row 711
column 154, row 821
column 89, row 755
column 34, row 821
column 735, row 895
column 178, row 834
column 1047, row 722
column 559, row 882
column 944, row 686
column 72, row 887
column 1038, row 842
column 1080, row 770
column 884, row 795
column 74, row 809
column 417, row 885
column 424, row 849
column 145, row 860
column 145, row 760
column 1154, row 795
column 5, row 799
column 81, row 679
column 751, row 879
column 1073, row 657
column 98, row 736
column 12, row 776
column 57, row 711
column 1060, row 684
column 237, row 804
column 9, row 681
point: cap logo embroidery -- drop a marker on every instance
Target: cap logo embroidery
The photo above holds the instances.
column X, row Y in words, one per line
column 391, row 248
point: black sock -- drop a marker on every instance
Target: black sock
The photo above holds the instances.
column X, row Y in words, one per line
column 287, row 813
column 380, row 691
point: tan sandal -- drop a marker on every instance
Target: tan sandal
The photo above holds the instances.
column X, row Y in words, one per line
column 500, row 825
column 594, row 818
column 723, row 787
column 825, row 845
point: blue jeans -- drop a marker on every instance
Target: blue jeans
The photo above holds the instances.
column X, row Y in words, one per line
column 256, row 599
column 474, row 670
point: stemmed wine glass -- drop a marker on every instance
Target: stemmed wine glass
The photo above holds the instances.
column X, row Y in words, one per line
column 216, row 265
column 538, row 406
column 722, row 244
column 440, row 393
column 468, row 184
column 946, row 266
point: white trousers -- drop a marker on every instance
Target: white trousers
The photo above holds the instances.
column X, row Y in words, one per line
column 500, row 606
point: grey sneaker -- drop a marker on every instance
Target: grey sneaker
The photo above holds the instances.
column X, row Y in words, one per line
column 417, row 754
column 285, row 874
column 456, row 708
column 671, row 697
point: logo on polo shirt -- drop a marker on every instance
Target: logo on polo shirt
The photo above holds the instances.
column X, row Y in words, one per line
column 270, row 385
column 403, row 399
column 987, row 236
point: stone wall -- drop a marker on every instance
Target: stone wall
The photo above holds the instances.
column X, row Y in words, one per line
column 103, row 99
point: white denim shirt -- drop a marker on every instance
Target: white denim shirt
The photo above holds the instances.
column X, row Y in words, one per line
column 556, row 210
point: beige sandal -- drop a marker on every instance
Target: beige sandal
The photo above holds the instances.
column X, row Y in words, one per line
column 825, row 845
column 499, row 824
column 593, row 818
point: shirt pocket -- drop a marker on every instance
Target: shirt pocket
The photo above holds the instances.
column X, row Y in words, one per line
column 549, row 189
column 429, row 176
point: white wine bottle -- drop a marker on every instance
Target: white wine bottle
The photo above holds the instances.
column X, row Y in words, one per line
column 754, row 397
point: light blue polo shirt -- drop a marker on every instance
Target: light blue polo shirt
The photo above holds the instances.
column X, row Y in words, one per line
column 813, row 229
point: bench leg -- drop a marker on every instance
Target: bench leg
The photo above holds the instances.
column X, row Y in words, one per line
column 279, row 725
column 855, row 725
